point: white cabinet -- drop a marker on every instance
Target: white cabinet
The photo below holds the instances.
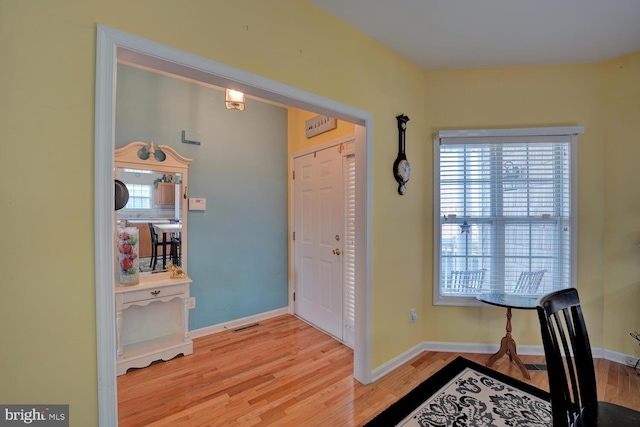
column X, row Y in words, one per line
column 152, row 321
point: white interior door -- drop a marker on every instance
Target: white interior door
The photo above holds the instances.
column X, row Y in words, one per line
column 318, row 245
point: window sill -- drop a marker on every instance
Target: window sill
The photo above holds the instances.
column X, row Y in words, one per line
column 470, row 301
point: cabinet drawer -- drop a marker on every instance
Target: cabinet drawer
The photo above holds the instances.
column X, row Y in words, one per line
column 152, row 293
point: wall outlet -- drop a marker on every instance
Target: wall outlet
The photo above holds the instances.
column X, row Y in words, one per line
column 631, row 361
column 192, row 303
column 414, row 315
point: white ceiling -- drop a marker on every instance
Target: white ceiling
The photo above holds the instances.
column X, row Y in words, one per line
column 488, row 33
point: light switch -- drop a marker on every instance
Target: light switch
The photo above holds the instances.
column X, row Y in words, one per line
column 197, row 204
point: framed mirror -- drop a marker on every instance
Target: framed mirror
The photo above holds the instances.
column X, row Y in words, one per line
column 156, row 178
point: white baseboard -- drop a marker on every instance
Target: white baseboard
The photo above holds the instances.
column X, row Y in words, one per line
column 452, row 347
column 524, row 350
column 232, row 324
column 448, row 347
column 614, row 356
column 396, row 362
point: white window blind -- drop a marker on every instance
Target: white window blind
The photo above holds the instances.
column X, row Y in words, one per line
column 349, row 171
column 504, row 214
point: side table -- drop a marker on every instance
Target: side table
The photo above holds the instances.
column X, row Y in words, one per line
column 507, row 344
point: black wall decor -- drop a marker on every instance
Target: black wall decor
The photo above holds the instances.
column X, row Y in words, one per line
column 401, row 167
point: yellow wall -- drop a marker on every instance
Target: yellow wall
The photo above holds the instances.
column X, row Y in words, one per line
column 47, row 83
column 621, row 106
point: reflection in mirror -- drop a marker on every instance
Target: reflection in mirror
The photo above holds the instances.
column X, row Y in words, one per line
column 157, row 201
column 152, row 195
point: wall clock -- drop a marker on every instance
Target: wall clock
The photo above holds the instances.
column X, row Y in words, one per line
column 401, row 167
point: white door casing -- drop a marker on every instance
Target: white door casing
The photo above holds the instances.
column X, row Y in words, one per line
column 319, row 227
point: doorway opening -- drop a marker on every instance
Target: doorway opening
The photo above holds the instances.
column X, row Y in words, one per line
column 323, row 255
column 114, row 45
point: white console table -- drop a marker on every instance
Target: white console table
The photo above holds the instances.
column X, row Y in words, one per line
column 152, row 321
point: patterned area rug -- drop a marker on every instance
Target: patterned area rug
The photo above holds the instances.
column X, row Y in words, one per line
column 144, row 265
column 464, row 393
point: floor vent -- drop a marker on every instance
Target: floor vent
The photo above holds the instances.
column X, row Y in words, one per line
column 536, row 366
column 244, row 328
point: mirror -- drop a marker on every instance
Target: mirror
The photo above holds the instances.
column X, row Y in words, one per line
column 153, row 195
column 156, row 179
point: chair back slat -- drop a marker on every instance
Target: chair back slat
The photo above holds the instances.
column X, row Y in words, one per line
column 567, row 351
column 574, row 395
column 154, row 235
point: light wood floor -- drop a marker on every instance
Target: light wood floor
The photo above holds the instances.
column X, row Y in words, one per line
column 286, row 373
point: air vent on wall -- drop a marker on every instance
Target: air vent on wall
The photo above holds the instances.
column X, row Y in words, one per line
column 244, row 328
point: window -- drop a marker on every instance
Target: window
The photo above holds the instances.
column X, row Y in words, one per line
column 504, row 212
column 139, row 196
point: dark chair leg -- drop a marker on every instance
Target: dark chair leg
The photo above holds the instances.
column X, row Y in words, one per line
column 176, row 252
column 154, row 257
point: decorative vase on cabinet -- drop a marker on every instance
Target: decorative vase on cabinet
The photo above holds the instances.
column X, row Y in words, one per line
column 128, row 260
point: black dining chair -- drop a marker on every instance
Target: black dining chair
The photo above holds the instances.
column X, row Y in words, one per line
column 176, row 244
column 155, row 244
column 572, row 378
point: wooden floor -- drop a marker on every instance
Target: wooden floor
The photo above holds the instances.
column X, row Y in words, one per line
column 286, row 373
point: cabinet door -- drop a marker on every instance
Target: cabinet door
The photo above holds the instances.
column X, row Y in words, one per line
column 165, row 193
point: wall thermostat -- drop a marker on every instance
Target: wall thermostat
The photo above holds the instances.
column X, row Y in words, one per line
column 197, row 204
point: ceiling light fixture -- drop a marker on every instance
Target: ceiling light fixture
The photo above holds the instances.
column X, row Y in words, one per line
column 234, row 100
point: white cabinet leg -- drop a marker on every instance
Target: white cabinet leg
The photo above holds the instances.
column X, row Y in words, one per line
column 185, row 319
column 119, row 325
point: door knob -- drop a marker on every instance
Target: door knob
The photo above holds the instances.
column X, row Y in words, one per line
column 337, row 251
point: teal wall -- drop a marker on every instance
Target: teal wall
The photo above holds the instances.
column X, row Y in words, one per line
column 237, row 247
